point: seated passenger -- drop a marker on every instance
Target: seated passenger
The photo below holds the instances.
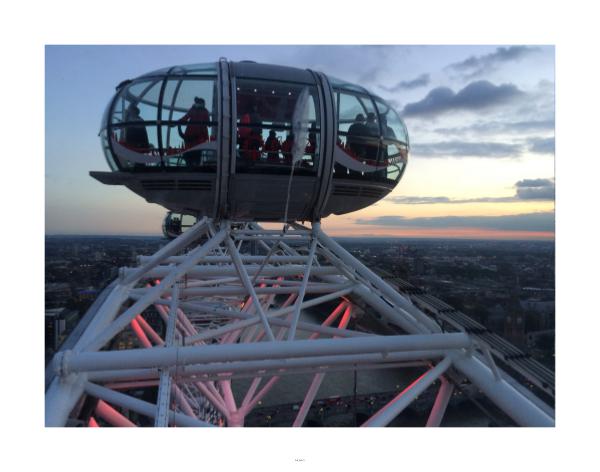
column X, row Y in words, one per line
column 272, row 147
column 196, row 133
column 286, row 148
column 357, row 129
column 135, row 135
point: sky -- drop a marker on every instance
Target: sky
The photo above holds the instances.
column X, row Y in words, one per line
column 480, row 120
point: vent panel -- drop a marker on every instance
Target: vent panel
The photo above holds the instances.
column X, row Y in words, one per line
column 202, row 185
column 358, row 191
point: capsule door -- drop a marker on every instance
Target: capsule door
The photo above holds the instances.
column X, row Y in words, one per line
column 275, row 166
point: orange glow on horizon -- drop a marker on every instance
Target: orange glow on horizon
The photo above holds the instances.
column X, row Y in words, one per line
column 441, row 233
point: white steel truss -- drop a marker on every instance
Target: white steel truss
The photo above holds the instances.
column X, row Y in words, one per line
column 231, row 297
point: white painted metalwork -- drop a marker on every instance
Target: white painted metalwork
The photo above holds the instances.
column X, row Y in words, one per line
column 231, row 315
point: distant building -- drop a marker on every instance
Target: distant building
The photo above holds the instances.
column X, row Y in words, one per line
column 539, row 306
column 59, row 322
column 57, row 294
column 55, row 326
column 514, row 328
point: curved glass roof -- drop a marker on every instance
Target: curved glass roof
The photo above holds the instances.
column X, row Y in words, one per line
column 342, row 84
column 208, row 68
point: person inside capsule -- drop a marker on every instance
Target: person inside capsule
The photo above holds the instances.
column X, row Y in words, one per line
column 196, row 132
column 135, row 135
column 272, row 147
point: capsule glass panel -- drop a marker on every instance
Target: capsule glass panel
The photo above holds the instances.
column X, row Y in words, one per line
column 189, row 124
column 106, row 150
column 359, row 153
column 132, row 132
column 265, row 137
column 396, row 141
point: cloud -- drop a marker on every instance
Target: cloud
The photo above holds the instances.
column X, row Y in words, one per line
column 541, row 145
column 467, row 149
column 527, row 189
column 536, row 189
column 342, row 61
column 475, row 96
column 411, row 200
column 493, row 127
column 420, row 81
column 477, row 65
column 419, row 200
column 370, row 75
column 542, row 221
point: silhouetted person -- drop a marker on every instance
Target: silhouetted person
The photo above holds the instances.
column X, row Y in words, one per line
column 357, row 130
column 195, row 132
column 272, row 147
column 387, row 131
column 136, row 135
column 371, row 125
column 286, row 148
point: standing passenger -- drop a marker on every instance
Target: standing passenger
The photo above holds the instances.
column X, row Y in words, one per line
column 286, row 148
column 272, row 147
column 197, row 117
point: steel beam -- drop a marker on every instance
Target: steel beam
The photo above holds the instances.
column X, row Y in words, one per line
column 387, row 414
column 156, row 292
column 179, row 356
column 140, row 406
column 241, row 270
column 212, row 333
column 179, row 243
column 287, row 364
column 425, row 324
column 306, row 277
column 505, row 396
column 441, row 403
column 165, row 385
column 112, row 416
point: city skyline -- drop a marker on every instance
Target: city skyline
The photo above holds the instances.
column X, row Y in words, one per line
column 480, row 119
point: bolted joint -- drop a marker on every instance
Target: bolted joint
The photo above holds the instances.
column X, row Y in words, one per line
column 60, row 363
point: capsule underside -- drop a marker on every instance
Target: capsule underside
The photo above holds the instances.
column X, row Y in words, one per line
column 219, row 140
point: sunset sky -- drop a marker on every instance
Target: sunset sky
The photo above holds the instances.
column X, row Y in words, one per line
column 480, row 120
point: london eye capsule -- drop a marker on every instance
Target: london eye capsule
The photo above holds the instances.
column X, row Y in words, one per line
column 176, row 223
column 252, row 142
